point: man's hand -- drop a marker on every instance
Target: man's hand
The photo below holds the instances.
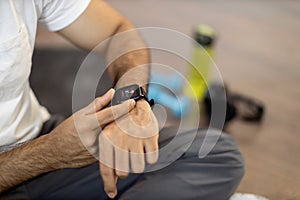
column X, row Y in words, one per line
column 76, row 138
column 126, row 144
column 63, row 147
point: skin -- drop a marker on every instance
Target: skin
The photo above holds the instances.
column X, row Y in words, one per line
column 120, row 149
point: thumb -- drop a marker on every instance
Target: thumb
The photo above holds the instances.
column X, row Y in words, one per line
column 100, row 102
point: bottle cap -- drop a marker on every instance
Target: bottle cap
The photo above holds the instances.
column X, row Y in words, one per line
column 204, row 35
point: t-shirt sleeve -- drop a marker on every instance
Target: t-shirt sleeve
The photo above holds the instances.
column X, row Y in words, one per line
column 58, row 14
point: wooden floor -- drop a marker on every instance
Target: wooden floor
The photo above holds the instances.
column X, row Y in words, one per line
column 258, row 55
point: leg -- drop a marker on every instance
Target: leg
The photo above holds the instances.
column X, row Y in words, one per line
column 83, row 183
column 215, row 176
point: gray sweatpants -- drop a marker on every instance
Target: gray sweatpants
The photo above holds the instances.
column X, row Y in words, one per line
column 214, row 177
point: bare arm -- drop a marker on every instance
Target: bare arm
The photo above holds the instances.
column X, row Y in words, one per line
column 100, row 22
column 62, row 148
column 25, row 162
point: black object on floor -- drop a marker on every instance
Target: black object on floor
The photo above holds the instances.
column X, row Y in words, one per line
column 237, row 105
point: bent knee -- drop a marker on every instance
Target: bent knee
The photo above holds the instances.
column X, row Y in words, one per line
column 218, row 150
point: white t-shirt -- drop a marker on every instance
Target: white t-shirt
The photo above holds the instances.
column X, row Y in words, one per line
column 21, row 116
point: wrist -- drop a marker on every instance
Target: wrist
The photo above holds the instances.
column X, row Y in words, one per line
column 143, row 110
column 143, row 103
column 133, row 91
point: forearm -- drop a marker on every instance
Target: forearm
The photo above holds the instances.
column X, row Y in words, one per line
column 128, row 57
column 133, row 69
column 107, row 30
column 25, row 162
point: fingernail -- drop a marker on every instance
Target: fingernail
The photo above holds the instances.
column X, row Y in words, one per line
column 132, row 102
column 111, row 195
column 112, row 91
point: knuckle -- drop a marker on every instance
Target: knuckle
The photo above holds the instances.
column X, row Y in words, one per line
column 122, row 174
column 106, row 172
column 110, row 114
column 99, row 102
column 101, row 122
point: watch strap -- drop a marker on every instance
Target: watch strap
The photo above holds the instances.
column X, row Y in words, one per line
column 143, row 95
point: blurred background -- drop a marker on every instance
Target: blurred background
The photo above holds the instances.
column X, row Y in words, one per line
column 257, row 53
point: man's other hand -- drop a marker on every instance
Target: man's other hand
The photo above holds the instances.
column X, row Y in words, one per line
column 75, row 140
column 127, row 144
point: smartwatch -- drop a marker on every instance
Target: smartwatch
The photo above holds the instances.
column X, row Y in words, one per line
column 130, row 92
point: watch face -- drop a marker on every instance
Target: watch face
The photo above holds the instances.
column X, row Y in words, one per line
column 125, row 93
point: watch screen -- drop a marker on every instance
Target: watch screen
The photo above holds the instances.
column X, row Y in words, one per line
column 125, row 93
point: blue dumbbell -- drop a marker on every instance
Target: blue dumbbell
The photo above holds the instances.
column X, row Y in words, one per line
column 173, row 82
column 179, row 106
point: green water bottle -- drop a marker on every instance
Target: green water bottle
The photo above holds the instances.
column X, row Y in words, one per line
column 199, row 71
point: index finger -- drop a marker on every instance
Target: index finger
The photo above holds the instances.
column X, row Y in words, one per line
column 114, row 112
column 109, row 180
column 106, row 162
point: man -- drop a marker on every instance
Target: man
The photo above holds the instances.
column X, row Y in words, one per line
column 58, row 165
